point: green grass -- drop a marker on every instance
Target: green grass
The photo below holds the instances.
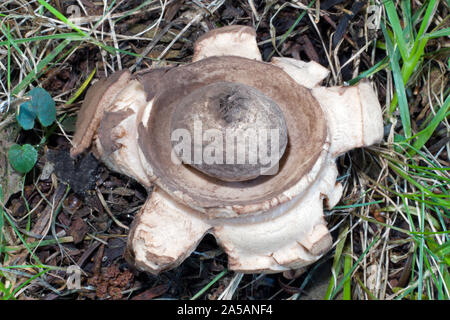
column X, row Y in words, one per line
column 209, row 285
column 416, row 178
column 348, row 270
column 2, row 221
column 71, row 41
column 336, row 267
column 410, row 47
column 289, row 31
column 69, row 38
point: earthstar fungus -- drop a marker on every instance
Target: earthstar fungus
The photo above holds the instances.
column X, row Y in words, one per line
column 265, row 223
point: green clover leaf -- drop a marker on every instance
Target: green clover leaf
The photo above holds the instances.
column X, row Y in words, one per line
column 41, row 106
column 22, row 158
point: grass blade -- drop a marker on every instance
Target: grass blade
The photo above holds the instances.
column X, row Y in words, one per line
column 41, row 65
column 424, row 135
column 439, row 33
column 406, row 10
column 382, row 64
column 347, row 290
column 11, row 41
column 397, row 28
column 336, row 268
column 25, row 283
column 399, row 85
column 82, row 88
column 209, row 285
column 72, row 35
column 348, row 274
column 2, row 222
column 61, row 17
column 425, row 24
column 289, row 31
column 421, row 247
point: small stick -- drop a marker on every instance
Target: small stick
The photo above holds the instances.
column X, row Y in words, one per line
column 317, row 19
column 102, row 200
column 252, row 6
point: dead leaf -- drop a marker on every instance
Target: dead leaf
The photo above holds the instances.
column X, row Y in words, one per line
column 78, row 230
column 152, row 293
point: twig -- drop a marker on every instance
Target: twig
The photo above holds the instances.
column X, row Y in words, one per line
column 102, row 200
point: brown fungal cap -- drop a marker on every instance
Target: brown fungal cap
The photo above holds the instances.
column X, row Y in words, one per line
column 271, row 223
column 304, row 119
column 236, row 133
column 98, row 98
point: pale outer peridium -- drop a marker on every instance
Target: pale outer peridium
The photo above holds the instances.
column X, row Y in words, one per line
column 288, row 236
column 237, row 43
